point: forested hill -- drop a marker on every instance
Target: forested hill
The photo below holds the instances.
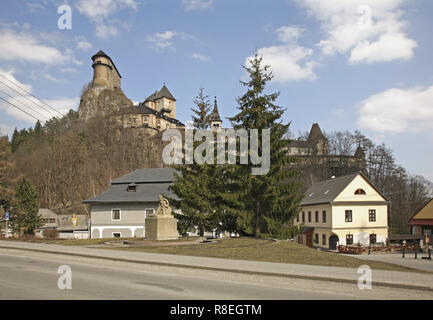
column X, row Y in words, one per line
column 69, row 160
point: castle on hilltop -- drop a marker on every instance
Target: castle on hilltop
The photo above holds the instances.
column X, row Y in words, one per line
column 104, row 96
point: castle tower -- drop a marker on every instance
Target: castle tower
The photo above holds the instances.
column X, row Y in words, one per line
column 318, row 140
column 163, row 102
column 105, row 73
column 215, row 120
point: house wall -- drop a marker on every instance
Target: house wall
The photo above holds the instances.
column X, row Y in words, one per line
column 131, row 223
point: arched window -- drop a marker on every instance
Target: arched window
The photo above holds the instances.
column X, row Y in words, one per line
column 359, row 192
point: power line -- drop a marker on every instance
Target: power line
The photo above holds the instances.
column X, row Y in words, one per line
column 20, row 109
column 31, row 94
column 25, row 105
column 15, row 106
column 49, row 112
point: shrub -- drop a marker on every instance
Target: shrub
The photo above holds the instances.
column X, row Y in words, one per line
column 51, row 233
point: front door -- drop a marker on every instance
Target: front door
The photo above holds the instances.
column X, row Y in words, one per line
column 333, row 242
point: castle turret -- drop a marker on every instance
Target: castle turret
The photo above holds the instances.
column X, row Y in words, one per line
column 105, row 73
column 215, row 119
column 318, row 139
column 162, row 101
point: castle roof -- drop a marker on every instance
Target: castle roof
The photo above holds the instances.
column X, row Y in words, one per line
column 359, row 152
column 215, row 116
column 101, row 53
column 163, row 93
column 143, row 109
column 316, row 133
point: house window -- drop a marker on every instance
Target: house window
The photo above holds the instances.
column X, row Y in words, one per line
column 297, row 217
column 149, row 212
column 115, row 214
column 309, row 216
column 316, row 216
column 324, row 216
column 372, row 215
column 348, row 216
column 349, row 239
column 372, row 238
column 144, row 118
column 132, row 188
column 360, row 192
column 316, row 238
column 303, row 216
column 116, row 234
column 324, row 239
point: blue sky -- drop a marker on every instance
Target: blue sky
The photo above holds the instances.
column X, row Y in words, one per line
column 353, row 64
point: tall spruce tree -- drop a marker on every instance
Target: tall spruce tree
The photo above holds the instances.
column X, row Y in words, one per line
column 25, row 212
column 264, row 203
column 201, row 111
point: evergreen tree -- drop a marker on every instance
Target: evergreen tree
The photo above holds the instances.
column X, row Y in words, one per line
column 38, row 128
column 25, row 213
column 7, row 172
column 201, row 112
column 264, row 203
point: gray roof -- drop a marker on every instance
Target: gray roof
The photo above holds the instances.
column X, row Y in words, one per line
column 163, row 93
column 327, row 191
column 147, row 192
column 316, row 133
column 152, row 175
column 143, row 109
column 215, row 116
column 149, row 184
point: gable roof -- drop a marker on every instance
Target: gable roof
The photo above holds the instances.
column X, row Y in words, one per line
column 143, row 109
column 426, row 212
column 152, row 175
column 326, row 191
column 164, row 93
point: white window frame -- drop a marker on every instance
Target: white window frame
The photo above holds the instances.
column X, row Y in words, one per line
column 112, row 234
column 120, row 214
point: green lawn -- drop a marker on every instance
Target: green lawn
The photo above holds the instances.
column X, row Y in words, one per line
column 266, row 250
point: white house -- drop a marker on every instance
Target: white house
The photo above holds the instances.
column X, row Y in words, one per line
column 344, row 210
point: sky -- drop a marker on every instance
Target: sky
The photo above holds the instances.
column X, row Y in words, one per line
column 348, row 65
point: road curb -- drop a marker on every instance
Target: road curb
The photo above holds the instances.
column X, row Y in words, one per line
column 260, row 273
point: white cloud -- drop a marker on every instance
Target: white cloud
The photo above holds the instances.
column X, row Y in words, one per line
column 6, row 130
column 99, row 12
column 84, row 45
column 369, row 30
column 289, row 61
column 398, row 110
column 201, row 57
column 50, row 77
column 26, row 47
column 289, row 34
column 23, row 100
column 164, row 40
column 197, row 5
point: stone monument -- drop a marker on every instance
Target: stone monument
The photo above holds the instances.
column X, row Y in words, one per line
column 161, row 225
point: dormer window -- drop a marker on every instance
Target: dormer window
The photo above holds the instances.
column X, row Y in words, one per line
column 132, row 188
column 360, row 192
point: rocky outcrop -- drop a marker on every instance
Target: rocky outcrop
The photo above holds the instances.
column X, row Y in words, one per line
column 101, row 102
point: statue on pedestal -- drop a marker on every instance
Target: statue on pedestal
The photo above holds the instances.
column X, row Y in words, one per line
column 164, row 208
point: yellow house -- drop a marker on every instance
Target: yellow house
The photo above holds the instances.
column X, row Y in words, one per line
column 422, row 221
column 344, row 210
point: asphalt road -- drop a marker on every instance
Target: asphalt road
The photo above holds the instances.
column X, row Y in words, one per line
column 32, row 275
